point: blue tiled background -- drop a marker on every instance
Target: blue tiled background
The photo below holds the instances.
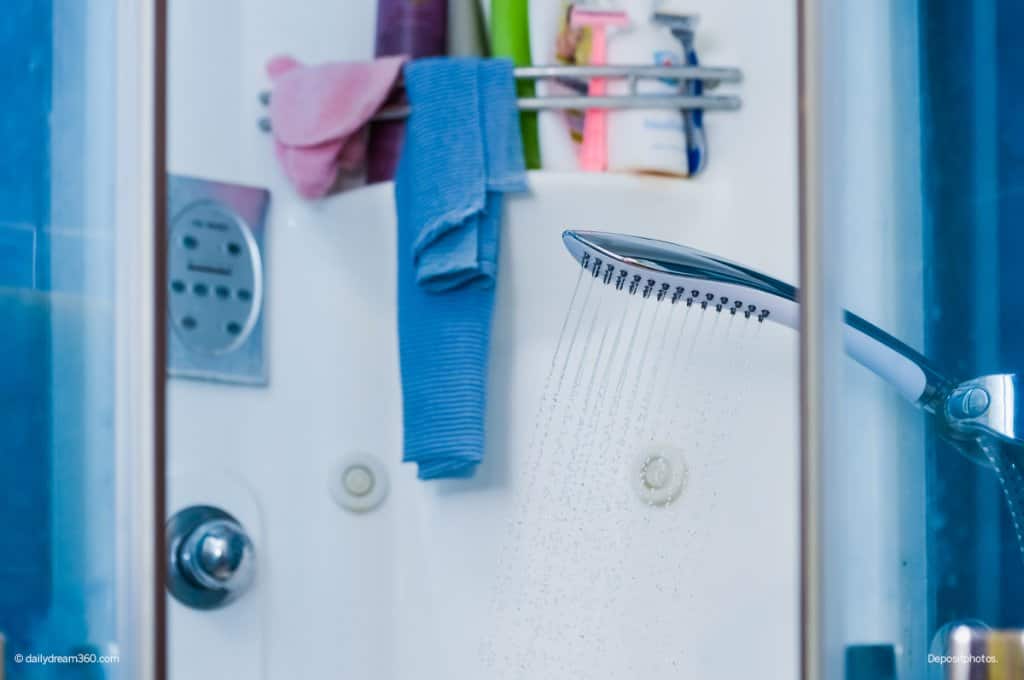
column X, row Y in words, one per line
column 18, row 255
column 25, row 384
column 25, row 74
column 30, row 241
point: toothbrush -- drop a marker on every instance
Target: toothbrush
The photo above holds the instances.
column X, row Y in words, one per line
column 594, row 150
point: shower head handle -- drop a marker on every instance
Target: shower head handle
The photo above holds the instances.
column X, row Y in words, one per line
column 709, row 277
column 985, row 406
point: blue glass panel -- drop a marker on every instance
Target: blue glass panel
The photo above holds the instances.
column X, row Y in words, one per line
column 25, row 467
column 57, row 470
column 61, row 259
column 25, row 74
column 973, row 80
column 17, row 256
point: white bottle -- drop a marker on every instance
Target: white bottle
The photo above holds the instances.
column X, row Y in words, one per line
column 651, row 141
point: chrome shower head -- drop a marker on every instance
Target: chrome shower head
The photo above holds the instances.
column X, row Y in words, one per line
column 644, row 265
column 669, row 271
column 648, row 266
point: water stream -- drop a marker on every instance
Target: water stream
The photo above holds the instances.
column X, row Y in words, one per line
column 585, row 555
column 588, row 568
column 1011, row 481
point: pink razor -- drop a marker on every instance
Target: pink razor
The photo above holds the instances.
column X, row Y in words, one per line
column 594, row 150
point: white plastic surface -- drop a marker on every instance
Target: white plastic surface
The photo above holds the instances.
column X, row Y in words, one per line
column 412, row 581
column 406, row 591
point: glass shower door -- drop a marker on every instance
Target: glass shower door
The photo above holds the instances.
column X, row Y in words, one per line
column 77, row 380
column 920, row 158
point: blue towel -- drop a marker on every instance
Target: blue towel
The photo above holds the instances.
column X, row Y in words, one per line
column 462, row 152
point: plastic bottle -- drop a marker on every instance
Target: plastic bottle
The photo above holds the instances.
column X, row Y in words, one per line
column 646, row 141
column 416, row 28
column 467, row 34
column 510, row 37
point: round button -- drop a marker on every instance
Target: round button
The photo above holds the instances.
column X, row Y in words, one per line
column 358, row 480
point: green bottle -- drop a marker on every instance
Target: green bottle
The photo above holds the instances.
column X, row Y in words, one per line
column 510, row 37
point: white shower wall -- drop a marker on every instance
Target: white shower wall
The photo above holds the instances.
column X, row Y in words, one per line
column 407, row 590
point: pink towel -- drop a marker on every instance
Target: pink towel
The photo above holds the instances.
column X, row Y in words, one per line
column 319, row 116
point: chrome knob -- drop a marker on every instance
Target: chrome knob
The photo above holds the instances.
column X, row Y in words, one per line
column 218, row 554
column 988, row 406
column 211, row 558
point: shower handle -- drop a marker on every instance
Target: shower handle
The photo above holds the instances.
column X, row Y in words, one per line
column 982, row 407
column 218, row 554
column 211, row 558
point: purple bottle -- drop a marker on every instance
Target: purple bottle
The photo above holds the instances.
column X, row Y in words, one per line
column 415, row 28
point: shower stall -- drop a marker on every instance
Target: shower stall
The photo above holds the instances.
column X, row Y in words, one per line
column 201, row 393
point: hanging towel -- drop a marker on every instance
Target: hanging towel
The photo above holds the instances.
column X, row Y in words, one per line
column 319, row 116
column 462, row 153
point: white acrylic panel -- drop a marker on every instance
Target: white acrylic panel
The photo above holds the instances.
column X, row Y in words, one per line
column 407, row 590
